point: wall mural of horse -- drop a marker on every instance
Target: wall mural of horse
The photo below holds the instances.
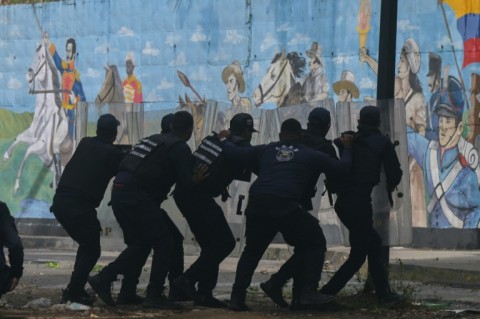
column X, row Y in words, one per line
column 111, row 93
column 47, row 135
column 279, row 84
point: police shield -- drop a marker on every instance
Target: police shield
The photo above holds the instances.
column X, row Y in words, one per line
column 393, row 222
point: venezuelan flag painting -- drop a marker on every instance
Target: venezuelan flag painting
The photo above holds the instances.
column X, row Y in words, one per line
column 467, row 13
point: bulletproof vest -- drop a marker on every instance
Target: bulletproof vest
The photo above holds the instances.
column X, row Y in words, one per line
column 220, row 172
column 147, row 160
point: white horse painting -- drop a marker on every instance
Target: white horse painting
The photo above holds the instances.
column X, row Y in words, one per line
column 279, row 84
column 47, row 133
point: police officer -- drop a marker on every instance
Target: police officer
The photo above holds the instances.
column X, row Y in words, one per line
column 318, row 125
column 284, row 168
column 79, row 192
column 371, row 149
column 207, row 221
column 9, row 275
column 146, row 175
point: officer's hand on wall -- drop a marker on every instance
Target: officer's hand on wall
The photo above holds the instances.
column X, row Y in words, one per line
column 199, row 173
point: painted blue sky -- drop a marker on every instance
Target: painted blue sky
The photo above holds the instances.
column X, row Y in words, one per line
column 200, row 38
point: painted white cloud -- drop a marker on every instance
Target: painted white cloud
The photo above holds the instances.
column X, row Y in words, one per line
column 256, row 69
column 14, row 31
column 153, row 97
column 284, row 27
column 150, row 50
column 367, row 83
column 172, row 39
column 92, row 73
column 4, row 20
column 268, row 42
column 102, row 48
column 201, row 74
column 14, row 84
column 126, row 32
column 221, row 55
column 180, row 59
column 165, row 84
column 199, row 35
column 299, row 38
column 445, row 43
column 1, row 76
column 10, row 59
column 341, row 59
column 406, row 25
column 3, row 43
column 233, row 37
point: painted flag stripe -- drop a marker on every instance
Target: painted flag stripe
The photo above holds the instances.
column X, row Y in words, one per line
column 464, row 7
column 469, row 26
column 471, row 51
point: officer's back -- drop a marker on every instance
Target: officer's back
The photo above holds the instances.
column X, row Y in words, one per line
column 93, row 164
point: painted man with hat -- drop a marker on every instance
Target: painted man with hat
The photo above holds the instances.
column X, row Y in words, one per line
column 232, row 76
column 453, row 197
column 315, row 87
column 345, row 88
column 132, row 87
column 434, row 85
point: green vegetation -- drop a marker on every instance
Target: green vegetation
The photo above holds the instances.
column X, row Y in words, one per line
column 52, row 264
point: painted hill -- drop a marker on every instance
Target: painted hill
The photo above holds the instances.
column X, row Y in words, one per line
column 11, row 123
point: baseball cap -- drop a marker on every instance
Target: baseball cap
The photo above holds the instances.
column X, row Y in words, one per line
column 107, row 122
column 370, row 115
column 241, row 121
column 319, row 117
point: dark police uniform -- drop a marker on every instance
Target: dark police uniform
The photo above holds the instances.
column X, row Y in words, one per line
column 79, row 192
column 274, row 206
column 209, row 225
column 146, row 175
column 9, row 238
column 354, row 208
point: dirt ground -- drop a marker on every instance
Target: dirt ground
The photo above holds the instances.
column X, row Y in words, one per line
column 47, row 272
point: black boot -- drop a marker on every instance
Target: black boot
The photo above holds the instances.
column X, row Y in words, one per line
column 274, row 292
column 77, row 295
column 311, row 299
column 128, row 293
column 237, row 301
column 208, row 300
column 174, row 294
column 103, row 288
column 184, row 286
column 156, row 299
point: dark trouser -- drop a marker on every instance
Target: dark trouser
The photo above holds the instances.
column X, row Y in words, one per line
column 355, row 212
column 212, row 232
column 5, row 279
column 145, row 226
column 298, row 228
column 80, row 221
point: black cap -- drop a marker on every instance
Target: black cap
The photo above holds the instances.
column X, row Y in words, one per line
column 240, row 122
column 370, row 115
column 319, row 117
column 166, row 121
column 434, row 64
column 107, row 122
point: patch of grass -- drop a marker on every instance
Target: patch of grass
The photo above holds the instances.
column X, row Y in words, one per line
column 52, row 264
column 97, row 268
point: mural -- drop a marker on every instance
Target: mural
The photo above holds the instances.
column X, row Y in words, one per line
column 243, row 56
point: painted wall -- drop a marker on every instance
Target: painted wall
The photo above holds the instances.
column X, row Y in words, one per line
column 225, row 48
